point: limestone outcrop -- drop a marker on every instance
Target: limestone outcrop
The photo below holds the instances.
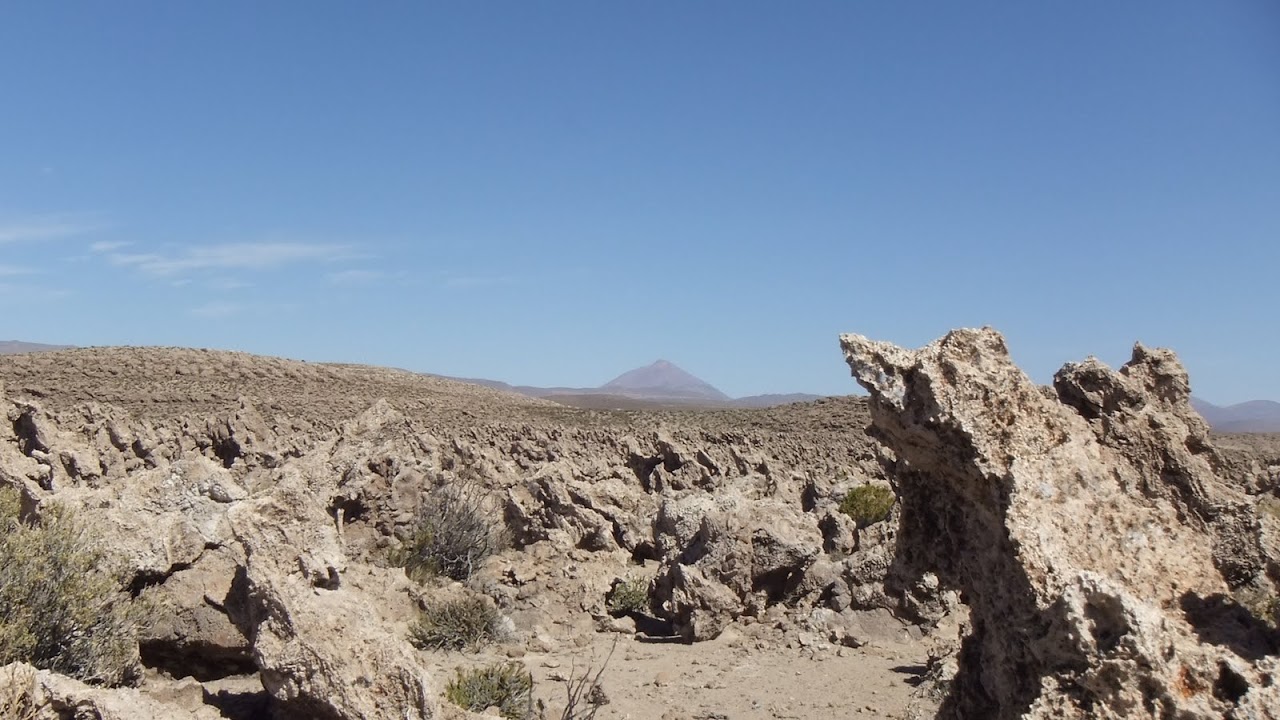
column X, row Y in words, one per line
column 1091, row 528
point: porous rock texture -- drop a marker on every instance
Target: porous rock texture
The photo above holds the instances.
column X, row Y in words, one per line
column 1096, row 535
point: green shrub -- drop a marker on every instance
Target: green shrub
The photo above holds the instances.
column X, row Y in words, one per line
column 454, row 533
column 505, row 685
column 60, row 609
column 628, row 596
column 456, row 624
column 868, row 504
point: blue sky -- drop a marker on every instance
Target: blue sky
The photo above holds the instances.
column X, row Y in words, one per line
column 553, row 193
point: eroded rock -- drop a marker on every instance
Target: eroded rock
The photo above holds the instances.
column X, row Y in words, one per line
column 30, row 694
column 1086, row 528
column 320, row 650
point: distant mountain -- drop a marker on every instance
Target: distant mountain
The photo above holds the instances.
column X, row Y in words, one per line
column 1246, row 417
column 770, row 400
column 662, row 380
column 661, row 384
column 13, row 347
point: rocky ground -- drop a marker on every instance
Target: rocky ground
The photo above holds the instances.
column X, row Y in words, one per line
column 258, row 507
column 206, row 469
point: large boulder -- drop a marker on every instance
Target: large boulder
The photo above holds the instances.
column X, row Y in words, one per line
column 729, row 557
column 1096, row 547
column 321, row 649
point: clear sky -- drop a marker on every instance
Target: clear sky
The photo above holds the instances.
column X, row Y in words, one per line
column 553, row 193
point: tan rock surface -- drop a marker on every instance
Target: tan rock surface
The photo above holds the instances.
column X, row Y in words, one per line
column 1092, row 540
column 30, row 694
column 256, row 503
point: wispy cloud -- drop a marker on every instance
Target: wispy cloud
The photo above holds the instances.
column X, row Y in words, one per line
column 217, row 309
column 231, row 256
column 12, row 270
column 354, row 277
column 228, row 283
column 103, row 246
column 41, row 229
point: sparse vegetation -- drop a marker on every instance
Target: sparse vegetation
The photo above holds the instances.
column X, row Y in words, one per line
column 505, row 685
column 455, row 532
column 60, row 609
column 628, row 596
column 16, row 689
column 868, row 504
column 456, row 624
column 584, row 693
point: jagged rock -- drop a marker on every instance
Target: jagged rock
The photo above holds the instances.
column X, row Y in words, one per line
column 157, row 521
column 743, row 557
column 680, row 519
column 255, row 504
column 555, row 500
column 1144, row 412
column 189, row 633
column 1090, row 537
column 321, row 652
column 698, row 606
column 30, row 694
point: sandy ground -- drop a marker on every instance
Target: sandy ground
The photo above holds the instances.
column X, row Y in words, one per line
column 734, row 677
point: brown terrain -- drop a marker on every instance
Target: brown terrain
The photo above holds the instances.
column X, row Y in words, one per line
column 1085, row 550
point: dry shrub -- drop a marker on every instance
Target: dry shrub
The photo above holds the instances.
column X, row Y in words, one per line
column 507, row 686
column 17, row 693
column 456, row 624
column 60, row 609
column 584, row 693
column 455, row 532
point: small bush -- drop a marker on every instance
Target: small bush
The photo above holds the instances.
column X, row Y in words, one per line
column 454, row 533
column 507, row 686
column 628, row 596
column 60, row 609
column 868, row 504
column 456, row 624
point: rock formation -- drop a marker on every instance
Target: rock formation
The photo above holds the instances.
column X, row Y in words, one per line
column 30, row 694
column 1092, row 529
column 254, row 504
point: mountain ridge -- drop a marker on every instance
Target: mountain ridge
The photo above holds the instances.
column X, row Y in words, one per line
column 13, row 347
column 660, row 384
column 1251, row 416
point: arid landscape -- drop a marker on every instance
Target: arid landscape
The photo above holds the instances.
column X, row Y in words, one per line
column 692, row 563
column 450, row 361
